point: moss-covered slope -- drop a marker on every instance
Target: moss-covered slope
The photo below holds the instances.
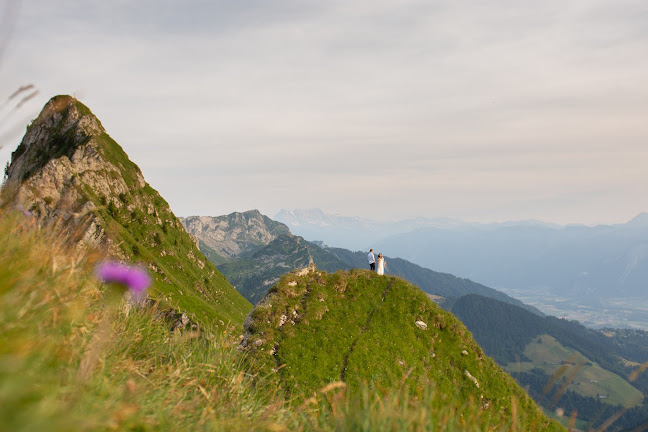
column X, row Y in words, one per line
column 316, row 328
column 68, row 171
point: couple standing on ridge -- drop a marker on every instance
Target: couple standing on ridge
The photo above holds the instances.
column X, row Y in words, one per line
column 373, row 262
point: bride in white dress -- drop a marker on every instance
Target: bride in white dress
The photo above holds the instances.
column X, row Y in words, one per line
column 380, row 265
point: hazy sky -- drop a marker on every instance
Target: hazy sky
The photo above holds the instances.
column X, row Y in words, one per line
column 482, row 110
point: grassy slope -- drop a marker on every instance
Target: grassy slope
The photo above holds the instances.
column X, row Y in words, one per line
column 360, row 328
column 184, row 279
column 142, row 224
column 52, row 312
column 558, row 360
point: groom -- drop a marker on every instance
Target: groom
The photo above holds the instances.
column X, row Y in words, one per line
column 372, row 260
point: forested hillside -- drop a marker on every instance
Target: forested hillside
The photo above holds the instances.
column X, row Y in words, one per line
column 562, row 362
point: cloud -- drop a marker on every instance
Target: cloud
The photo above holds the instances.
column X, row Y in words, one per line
column 477, row 99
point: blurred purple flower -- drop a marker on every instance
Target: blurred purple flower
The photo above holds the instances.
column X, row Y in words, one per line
column 135, row 279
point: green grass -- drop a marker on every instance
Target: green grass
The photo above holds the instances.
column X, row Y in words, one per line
column 184, row 278
column 213, row 256
column 53, row 313
column 359, row 328
column 585, row 377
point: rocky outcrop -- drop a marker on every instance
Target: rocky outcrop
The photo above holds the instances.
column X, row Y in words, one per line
column 236, row 234
column 58, row 161
column 69, row 172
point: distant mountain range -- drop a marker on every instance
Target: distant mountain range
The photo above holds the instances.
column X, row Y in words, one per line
column 574, row 261
column 362, row 233
column 577, row 265
column 351, row 232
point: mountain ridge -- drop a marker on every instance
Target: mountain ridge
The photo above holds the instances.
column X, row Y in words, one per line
column 595, row 274
column 253, row 275
column 446, row 285
column 236, row 234
column 69, row 172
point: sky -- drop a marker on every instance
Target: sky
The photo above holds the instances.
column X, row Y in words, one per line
column 482, row 110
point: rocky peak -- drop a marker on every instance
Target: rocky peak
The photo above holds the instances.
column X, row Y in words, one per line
column 236, row 234
column 65, row 164
column 63, row 125
column 68, row 171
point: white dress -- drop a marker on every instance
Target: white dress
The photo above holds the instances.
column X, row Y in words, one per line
column 380, row 266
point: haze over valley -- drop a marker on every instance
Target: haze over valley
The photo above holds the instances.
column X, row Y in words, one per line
column 597, row 275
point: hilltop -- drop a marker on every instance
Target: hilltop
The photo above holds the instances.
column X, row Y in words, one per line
column 316, row 329
column 69, row 172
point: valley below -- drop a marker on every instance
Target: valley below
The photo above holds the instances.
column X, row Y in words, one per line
column 597, row 313
column 581, row 375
